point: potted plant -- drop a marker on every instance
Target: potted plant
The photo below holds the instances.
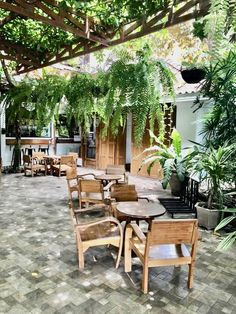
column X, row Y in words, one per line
column 171, row 159
column 213, row 167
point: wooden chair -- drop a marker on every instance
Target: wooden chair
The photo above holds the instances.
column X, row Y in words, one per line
column 65, row 163
column 104, row 231
column 75, row 156
column 72, row 179
column 39, row 156
column 164, row 245
column 123, row 193
column 118, row 170
column 91, row 192
column 33, row 165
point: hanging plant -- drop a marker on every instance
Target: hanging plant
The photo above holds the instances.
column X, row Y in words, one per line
column 81, row 93
column 136, row 85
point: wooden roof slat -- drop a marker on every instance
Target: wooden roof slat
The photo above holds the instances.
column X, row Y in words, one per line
column 7, row 19
column 59, row 22
column 91, row 36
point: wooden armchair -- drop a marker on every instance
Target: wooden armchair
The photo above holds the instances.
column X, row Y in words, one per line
column 33, row 165
column 72, row 179
column 164, row 245
column 91, row 192
column 75, row 156
column 100, row 232
column 123, row 193
column 65, row 163
column 118, row 170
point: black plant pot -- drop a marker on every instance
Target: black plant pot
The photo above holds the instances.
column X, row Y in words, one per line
column 177, row 187
column 192, row 76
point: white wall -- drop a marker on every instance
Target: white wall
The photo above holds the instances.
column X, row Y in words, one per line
column 189, row 123
column 186, row 122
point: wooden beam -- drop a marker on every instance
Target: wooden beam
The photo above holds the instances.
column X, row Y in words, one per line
column 55, row 22
column 18, row 53
column 7, row 19
column 183, row 11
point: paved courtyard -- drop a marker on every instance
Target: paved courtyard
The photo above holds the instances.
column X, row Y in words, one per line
column 39, row 271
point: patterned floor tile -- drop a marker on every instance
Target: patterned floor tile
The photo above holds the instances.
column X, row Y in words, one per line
column 39, row 269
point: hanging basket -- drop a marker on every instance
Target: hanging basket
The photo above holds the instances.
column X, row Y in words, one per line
column 192, row 76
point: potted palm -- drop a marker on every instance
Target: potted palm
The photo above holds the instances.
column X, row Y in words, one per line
column 212, row 165
column 171, row 159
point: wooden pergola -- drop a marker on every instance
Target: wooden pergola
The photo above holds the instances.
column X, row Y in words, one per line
column 89, row 37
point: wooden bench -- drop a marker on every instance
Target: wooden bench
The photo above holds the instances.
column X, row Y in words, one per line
column 185, row 204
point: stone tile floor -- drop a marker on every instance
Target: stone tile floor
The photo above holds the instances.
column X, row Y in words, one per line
column 39, row 270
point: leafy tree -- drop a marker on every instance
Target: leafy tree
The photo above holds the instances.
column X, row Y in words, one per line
column 34, row 100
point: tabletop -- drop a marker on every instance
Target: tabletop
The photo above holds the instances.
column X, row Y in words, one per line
column 109, row 177
column 52, row 157
column 138, row 210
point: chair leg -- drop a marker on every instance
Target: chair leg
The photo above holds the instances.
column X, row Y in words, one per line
column 128, row 259
column 190, row 275
column 81, row 260
column 120, row 251
column 145, row 279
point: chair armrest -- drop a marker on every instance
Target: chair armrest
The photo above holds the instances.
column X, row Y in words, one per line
column 97, row 222
column 144, row 198
column 90, row 208
column 138, row 232
column 80, row 176
column 112, row 200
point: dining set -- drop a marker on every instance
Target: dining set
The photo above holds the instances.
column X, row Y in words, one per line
column 40, row 162
column 122, row 216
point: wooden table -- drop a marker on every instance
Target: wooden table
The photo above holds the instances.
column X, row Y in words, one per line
column 140, row 211
column 106, row 178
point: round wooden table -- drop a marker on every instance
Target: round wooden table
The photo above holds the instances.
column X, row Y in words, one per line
column 106, row 178
column 140, row 211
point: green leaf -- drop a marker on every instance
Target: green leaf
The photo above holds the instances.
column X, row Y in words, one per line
column 167, row 169
column 176, row 142
column 225, row 222
column 227, row 242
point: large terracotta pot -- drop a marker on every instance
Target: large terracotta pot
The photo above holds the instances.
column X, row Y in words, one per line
column 208, row 218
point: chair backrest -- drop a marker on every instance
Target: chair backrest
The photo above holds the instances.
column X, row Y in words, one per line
column 115, row 169
column 71, row 174
column 38, row 155
column 124, row 192
column 67, row 160
column 26, row 159
column 75, row 156
column 175, row 231
column 90, row 186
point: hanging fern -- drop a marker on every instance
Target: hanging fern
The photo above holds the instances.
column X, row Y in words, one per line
column 82, row 93
column 220, row 26
column 136, row 84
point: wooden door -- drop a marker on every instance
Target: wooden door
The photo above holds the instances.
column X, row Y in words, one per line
column 137, row 156
column 110, row 150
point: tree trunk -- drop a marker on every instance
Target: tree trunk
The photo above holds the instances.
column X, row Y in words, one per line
column 17, row 148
